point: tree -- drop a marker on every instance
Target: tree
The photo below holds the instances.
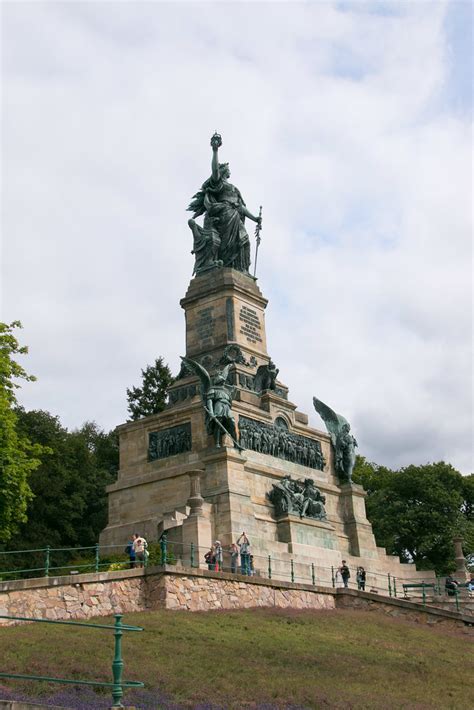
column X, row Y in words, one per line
column 69, row 507
column 18, row 456
column 150, row 398
column 416, row 511
column 466, row 530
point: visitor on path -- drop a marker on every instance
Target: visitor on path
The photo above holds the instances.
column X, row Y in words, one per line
column 470, row 585
column 451, row 586
column 244, row 545
column 140, row 546
column 360, row 578
column 234, row 557
column 129, row 550
column 251, row 567
column 345, row 573
column 210, row 559
column 218, row 556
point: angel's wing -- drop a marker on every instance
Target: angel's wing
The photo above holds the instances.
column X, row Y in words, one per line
column 200, row 371
column 329, row 417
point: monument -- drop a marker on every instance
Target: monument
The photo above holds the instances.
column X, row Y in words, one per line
column 231, row 452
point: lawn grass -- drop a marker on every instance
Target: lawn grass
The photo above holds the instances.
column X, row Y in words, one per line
column 256, row 658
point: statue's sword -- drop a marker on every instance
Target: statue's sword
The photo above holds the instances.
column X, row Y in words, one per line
column 258, row 238
column 219, row 424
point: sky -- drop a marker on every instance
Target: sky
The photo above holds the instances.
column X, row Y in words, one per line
column 350, row 122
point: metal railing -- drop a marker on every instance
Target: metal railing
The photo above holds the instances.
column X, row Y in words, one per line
column 96, row 558
column 118, row 683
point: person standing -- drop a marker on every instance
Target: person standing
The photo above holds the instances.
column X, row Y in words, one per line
column 218, row 556
column 210, row 558
column 244, row 544
column 131, row 551
column 140, row 546
column 234, row 557
column 345, row 573
column 360, row 578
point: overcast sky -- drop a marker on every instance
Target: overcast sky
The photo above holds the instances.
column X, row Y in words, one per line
column 350, row 122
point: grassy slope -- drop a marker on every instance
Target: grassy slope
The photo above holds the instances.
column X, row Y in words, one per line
column 342, row 659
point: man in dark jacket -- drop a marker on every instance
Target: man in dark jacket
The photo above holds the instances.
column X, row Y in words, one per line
column 345, row 573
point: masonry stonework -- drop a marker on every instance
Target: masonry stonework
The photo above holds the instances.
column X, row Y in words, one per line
column 92, row 595
column 225, row 324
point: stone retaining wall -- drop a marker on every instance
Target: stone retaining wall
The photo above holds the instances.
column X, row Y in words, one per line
column 202, row 593
column 91, row 595
column 401, row 608
column 74, row 597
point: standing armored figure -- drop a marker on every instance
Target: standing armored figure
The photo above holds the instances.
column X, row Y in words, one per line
column 217, row 399
column 223, row 239
column 343, row 442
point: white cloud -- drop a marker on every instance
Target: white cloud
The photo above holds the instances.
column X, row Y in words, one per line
column 334, row 117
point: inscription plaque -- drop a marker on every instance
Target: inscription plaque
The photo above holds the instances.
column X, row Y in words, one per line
column 250, row 324
column 205, row 323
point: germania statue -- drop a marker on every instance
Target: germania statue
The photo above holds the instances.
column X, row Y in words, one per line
column 223, row 239
column 342, row 440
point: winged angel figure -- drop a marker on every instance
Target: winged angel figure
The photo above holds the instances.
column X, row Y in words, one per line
column 344, row 443
column 217, row 399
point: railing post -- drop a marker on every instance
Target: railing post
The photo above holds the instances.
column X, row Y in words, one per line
column 117, row 665
column 46, row 561
column 163, row 546
column 312, row 574
column 269, row 566
column 97, row 557
column 394, row 586
column 438, row 584
column 192, row 554
column 389, row 585
column 423, row 593
column 292, row 572
column 333, row 579
column 456, row 593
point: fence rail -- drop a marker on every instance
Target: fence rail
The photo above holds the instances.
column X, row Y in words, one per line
column 96, row 558
column 117, row 685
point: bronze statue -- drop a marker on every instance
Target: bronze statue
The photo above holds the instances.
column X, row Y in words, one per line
column 223, row 239
column 217, row 399
column 343, row 442
column 265, row 378
column 297, row 498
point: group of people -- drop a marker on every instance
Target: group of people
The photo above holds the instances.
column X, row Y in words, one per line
column 214, row 557
column 452, row 586
column 343, row 574
column 137, row 551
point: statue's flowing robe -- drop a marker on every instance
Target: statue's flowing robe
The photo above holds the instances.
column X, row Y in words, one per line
column 223, row 205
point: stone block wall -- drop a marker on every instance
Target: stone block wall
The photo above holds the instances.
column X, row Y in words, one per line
column 92, row 595
column 203, row 593
column 88, row 596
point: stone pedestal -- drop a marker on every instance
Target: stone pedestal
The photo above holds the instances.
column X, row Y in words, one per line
column 197, row 528
column 461, row 574
column 173, row 478
column 298, row 532
column 356, row 526
column 224, row 307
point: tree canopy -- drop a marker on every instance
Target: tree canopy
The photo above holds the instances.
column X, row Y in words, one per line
column 150, row 398
column 18, row 456
column 69, row 506
column 416, row 511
